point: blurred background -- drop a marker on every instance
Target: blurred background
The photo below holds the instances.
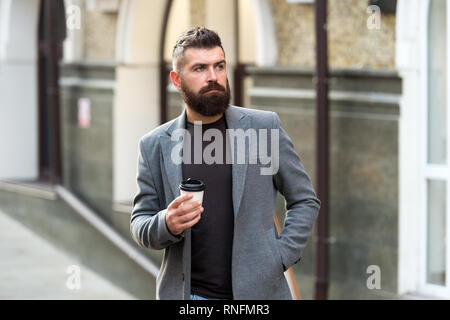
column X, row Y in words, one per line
column 82, row 80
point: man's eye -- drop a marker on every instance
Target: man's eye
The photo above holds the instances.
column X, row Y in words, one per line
column 220, row 66
column 200, row 68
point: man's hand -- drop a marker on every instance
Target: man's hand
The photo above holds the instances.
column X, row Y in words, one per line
column 180, row 217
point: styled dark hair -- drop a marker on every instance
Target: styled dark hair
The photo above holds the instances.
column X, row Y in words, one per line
column 198, row 37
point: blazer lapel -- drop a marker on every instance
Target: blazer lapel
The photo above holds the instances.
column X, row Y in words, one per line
column 237, row 120
column 173, row 170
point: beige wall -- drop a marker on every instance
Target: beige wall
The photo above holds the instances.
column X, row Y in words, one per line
column 294, row 25
column 247, row 49
column 197, row 12
column 179, row 21
column 351, row 43
column 99, row 35
column 100, row 29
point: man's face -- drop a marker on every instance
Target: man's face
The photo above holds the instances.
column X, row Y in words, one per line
column 203, row 81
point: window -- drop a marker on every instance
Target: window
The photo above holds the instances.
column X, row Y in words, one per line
column 435, row 222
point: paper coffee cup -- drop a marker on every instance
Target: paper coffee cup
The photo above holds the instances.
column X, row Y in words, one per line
column 193, row 186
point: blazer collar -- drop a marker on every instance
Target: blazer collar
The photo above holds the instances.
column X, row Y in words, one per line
column 236, row 119
column 232, row 114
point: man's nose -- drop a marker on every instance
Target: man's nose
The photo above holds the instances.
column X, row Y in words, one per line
column 211, row 75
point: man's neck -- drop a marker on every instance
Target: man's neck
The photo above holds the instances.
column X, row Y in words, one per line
column 193, row 116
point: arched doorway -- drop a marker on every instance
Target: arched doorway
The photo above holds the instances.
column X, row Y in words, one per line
column 137, row 94
column 29, row 90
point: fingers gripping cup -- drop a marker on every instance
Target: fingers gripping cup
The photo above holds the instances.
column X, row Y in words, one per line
column 193, row 186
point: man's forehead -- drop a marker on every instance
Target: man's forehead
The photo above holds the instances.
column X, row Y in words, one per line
column 203, row 55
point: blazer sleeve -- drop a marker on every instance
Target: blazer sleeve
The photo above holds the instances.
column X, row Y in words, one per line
column 302, row 205
column 148, row 221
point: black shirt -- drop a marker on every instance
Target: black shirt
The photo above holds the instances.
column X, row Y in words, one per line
column 212, row 236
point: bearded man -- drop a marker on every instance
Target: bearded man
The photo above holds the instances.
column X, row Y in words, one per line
column 226, row 246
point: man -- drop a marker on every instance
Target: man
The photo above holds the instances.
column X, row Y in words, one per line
column 226, row 247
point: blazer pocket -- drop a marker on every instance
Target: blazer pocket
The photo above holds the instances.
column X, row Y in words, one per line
column 276, row 256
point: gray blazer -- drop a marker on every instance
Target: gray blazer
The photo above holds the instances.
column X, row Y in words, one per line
column 259, row 256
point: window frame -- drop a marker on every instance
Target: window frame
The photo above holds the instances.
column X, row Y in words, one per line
column 440, row 172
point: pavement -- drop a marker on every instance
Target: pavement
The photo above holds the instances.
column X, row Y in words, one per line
column 32, row 268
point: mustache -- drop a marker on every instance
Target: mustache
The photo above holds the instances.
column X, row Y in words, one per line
column 211, row 86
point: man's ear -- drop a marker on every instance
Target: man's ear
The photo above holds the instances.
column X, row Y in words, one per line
column 175, row 78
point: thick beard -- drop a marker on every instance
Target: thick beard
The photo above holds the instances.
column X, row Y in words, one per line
column 207, row 104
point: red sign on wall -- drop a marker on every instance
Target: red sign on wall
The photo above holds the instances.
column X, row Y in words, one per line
column 84, row 113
